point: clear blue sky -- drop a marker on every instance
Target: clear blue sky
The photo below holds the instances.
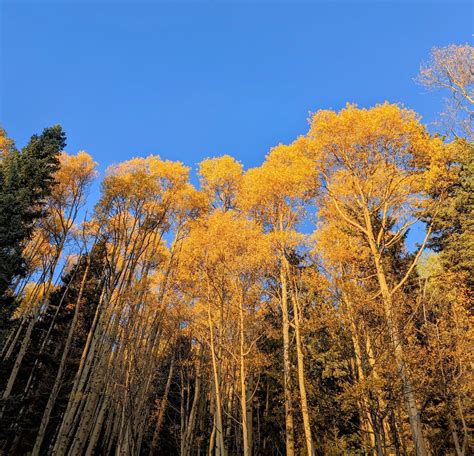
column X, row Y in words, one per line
column 188, row 80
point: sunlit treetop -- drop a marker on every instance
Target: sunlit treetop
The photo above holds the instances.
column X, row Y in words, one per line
column 221, row 178
column 382, row 155
column 362, row 139
column 278, row 190
column 75, row 173
column 6, row 144
column 143, row 182
column 241, row 248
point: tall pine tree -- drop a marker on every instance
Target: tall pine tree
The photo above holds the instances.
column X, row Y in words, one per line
column 26, row 179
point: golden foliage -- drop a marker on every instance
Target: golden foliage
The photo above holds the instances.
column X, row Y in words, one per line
column 221, row 179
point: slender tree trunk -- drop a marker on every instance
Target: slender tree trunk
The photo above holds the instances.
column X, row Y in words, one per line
column 12, row 340
column 91, row 410
column 27, row 337
column 59, row 376
column 19, row 359
column 218, row 407
column 162, row 409
column 464, row 424
column 192, row 414
column 80, row 377
column 289, row 423
column 250, row 431
column 94, row 438
column 212, row 438
column 243, row 384
column 412, row 409
column 369, row 415
column 300, row 370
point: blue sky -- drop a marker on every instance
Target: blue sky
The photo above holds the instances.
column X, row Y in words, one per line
column 188, row 80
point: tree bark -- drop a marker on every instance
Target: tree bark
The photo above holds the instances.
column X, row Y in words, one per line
column 59, row 376
column 289, row 422
column 243, row 384
column 300, row 370
column 162, row 409
column 412, row 409
column 220, row 446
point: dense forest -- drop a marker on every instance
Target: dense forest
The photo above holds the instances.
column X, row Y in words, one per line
column 179, row 319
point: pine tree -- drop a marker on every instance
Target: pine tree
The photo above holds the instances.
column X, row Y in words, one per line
column 26, row 180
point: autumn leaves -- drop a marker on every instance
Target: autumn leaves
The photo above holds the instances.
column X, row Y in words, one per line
column 210, row 313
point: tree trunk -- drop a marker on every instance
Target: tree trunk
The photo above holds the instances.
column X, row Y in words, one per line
column 186, row 446
column 369, row 415
column 243, row 384
column 19, row 359
column 289, row 424
column 59, row 376
column 218, row 406
column 300, row 370
column 161, row 412
column 82, row 372
column 412, row 409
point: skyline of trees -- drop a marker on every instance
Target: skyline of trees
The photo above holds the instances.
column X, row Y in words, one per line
column 184, row 320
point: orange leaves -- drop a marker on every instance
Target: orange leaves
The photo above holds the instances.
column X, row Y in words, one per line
column 281, row 187
column 144, row 178
column 378, row 162
column 221, row 179
column 226, row 242
column 365, row 139
column 6, row 144
column 74, row 174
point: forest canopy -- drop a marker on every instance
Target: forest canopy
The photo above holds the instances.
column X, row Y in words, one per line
column 182, row 319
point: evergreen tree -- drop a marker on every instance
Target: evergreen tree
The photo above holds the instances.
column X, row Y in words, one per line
column 454, row 220
column 25, row 181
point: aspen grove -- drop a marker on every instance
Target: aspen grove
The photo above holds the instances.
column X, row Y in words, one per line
column 266, row 311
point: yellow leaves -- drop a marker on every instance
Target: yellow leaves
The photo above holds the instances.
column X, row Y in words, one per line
column 365, row 138
column 227, row 242
column 337, row 245
column 286, row 180
column 32, row 296
column 189, row 203
column 38, row 250
column 169, row 174
column 444, row 167
column 378, row 161
column 287, row 239
column 221, row 179
column 6, row 144
column 222, row 265
column 75, row 173
column 144, row 178
column 223, row 257
column 145, row 193
column 131, row 179
column 78, row 167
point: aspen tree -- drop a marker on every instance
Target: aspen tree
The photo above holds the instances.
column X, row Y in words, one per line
column 67, row 197
column 373, row 163
column 276, row 194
